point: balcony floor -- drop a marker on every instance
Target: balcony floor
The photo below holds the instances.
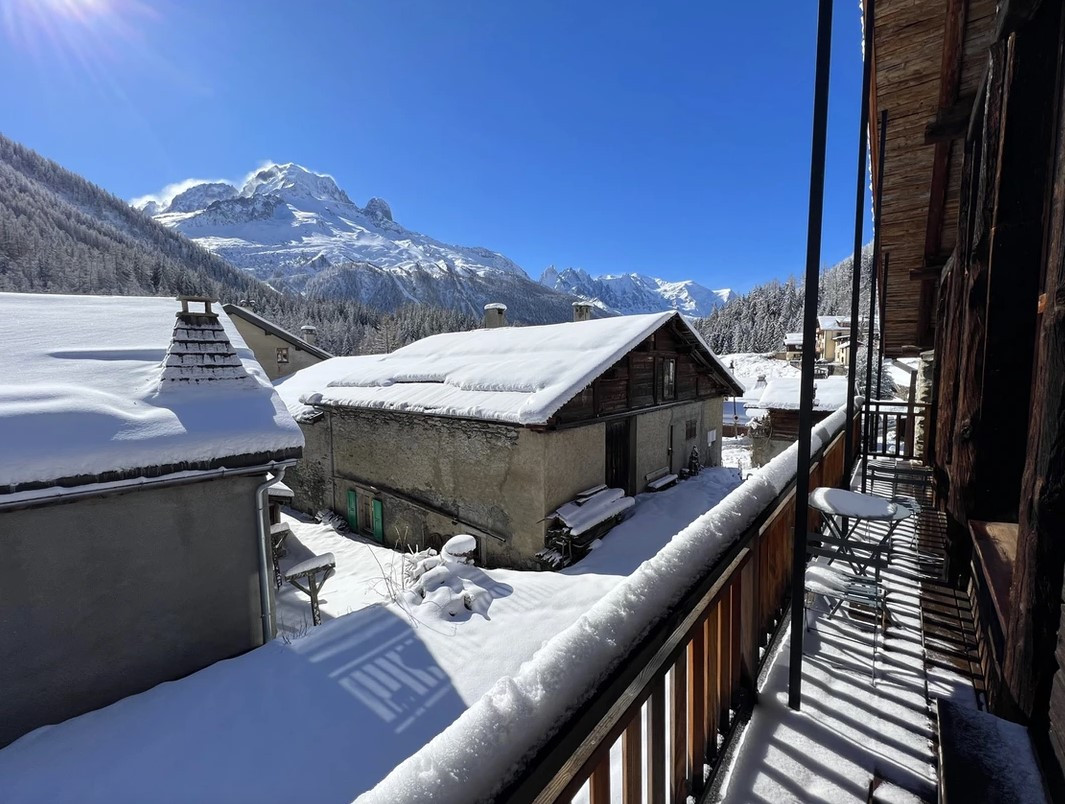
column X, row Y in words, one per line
column 856, row 739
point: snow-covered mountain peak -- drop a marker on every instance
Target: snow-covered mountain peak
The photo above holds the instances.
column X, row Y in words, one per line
column 635, row 293
column 293, row 182
column 296, row 229
column 378, row 209
column 200, row 196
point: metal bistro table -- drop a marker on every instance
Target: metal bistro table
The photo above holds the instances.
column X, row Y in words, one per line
column 843, row 512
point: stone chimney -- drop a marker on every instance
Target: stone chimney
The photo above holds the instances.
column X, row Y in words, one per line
column 582, row 311
column 495, row 315
column 200, row 350
column 309, row 334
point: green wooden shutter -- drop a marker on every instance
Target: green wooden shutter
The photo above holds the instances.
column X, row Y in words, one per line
column 353, row 510
column 378, row 521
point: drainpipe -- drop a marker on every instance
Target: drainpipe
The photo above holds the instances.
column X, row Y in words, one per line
column 266, row 578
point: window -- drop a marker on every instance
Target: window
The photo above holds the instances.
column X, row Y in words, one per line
column 668, row 379
column 282, row 354
column 691, row 429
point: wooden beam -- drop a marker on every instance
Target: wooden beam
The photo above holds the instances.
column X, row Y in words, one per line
column 927, row 272
column 949, row 81
column 951, row 123
column 1012, row 14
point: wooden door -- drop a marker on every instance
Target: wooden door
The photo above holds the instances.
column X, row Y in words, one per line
column 617, row 455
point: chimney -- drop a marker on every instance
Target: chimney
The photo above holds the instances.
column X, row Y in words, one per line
column 200, row 350
column 309, row 333
column 495, row 315
column 582, row 311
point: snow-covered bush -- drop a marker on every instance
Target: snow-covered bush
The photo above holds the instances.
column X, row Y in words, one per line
column 446, row 580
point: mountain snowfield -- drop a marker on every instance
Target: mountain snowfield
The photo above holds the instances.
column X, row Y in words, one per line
column 627, row 294
column 298, row 230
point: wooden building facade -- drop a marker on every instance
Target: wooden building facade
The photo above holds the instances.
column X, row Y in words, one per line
column 974, row 223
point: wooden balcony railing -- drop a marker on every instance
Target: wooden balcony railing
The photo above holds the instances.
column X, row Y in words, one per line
column 676, row 701
column 892, row 427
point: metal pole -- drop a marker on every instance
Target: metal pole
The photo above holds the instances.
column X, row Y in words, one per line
column 883, row 296
column 809, row 317
column 881, row 158
column 856, row 265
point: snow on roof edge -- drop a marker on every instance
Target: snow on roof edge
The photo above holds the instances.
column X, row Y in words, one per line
column 579, row 385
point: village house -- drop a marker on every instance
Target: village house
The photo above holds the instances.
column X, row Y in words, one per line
column 138, row 445
column 490, row 431
column 844, row 350
column 793, row 346
column 829, row 329
column 775, row 416
column 279, row 352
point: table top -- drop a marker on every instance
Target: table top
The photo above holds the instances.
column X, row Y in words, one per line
column 851, row 504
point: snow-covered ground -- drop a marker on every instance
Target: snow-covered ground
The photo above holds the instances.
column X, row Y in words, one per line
column 900, row 371
column 736, row 452
column 752, row 370
column 330, row 710
column 752, row 364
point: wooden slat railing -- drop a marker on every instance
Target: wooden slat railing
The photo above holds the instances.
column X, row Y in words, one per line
column 892, row 426
column 676, row 700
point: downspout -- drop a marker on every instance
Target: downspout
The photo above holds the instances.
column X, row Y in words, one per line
column 266, row 579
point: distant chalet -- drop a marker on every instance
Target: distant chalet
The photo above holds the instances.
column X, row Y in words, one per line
column 135, row 432
column 277, row 350
column 775, row 416
column 487, row 432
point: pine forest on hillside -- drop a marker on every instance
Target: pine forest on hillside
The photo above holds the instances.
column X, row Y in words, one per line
column 59, row 233
column 757, row 320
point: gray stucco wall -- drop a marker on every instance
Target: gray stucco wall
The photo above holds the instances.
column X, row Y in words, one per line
column 574, row 460
column 652, row 437
column 106, row 597
column 265, row 346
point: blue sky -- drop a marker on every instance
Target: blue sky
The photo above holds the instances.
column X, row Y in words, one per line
column 670, row 138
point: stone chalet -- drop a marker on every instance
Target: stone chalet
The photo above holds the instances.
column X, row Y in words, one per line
column 139, row 437
column 487, row 432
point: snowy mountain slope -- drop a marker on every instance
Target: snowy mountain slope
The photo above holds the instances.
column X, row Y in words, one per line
column 298, row 230
column 627, row 294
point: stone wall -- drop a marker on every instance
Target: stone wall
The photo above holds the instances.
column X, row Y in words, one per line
column 480, row 474
column 311, row 480
column 925, row 380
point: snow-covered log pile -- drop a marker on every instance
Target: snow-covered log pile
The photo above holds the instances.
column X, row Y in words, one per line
column 488, row 745
column 578, row 523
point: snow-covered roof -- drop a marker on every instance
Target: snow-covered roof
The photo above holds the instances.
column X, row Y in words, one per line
column 83, row 396
column 782, row 393
column 521, row 375
column 833, row 322
column 793, row 339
